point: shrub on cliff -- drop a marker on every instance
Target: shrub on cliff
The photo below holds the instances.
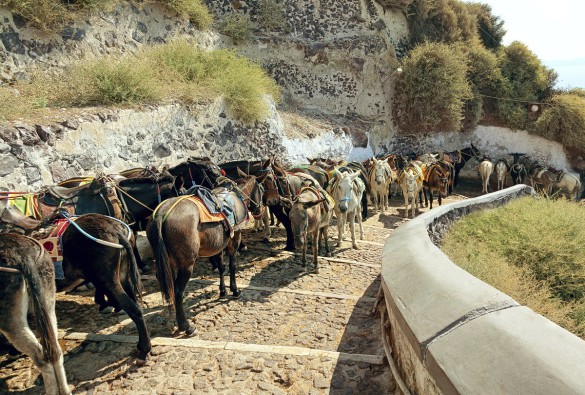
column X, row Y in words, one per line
column 486, row 80
column 237, row 27
column 52, row 15
column 177, row 71
column 564, row 120
column 432, row 89
column 446, row 21
column 490, row 28
column 526, row 80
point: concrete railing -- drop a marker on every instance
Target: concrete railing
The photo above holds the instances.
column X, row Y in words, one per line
column 448, row 332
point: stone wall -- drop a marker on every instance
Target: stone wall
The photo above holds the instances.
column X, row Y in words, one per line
column 111, row 141
column 452, row 333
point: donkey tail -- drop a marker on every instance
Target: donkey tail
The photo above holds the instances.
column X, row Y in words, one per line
column 164, row 273
column 40, row 282
column 133, row 272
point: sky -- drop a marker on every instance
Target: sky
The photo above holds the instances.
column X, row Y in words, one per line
column 553, row 29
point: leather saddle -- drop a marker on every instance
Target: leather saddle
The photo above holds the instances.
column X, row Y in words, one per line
column 55, row 195
column 12, row 216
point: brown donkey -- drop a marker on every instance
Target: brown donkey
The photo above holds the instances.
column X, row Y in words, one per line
column 178, row 236
column 309, row 218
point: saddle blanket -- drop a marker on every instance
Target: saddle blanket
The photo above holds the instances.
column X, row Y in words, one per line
column 205, row 215
column 51, row 242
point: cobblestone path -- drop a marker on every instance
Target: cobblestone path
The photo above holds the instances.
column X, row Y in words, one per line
column 291, row 332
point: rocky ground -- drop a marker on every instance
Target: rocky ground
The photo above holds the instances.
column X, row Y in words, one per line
column 292, row 331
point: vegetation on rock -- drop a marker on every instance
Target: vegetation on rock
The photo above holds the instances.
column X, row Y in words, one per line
column 177, row 71
column 52, row 15
column 531, row 250
column 431, row 90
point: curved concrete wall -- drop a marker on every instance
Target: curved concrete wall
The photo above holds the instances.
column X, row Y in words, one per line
column 452, row 333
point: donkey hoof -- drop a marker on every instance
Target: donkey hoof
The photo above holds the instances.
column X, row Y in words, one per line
column 355, row 247
column 222, row 294
column 191, row 330
column 244, row 248
column 236, row 294
column 140, row 362
column 107, row 310
column 316, row 270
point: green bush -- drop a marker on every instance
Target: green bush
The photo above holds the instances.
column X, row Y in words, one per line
column 52, row 15
column 527, row 80
column 490, row 28
column 446, row 21
column 237, row 27
column 564, row 120
column 270, row 15
column 432, row 90
column 173, row 72
column 195, row 10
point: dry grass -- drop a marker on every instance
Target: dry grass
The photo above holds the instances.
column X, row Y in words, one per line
column 532, row 250
column 52, row 15
column 173, row 72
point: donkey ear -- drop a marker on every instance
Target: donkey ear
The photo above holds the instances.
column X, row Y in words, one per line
column 260, row 179
column 266, row 164
column 356, row 174
column 241, row 173
column 308, row 205
column 286, row 202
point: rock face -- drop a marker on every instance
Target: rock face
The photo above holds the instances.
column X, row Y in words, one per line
column 334, row 60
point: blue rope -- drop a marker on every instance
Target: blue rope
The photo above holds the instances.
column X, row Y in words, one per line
column 67, row 216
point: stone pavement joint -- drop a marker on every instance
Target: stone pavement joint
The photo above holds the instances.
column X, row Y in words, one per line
column 234, row 346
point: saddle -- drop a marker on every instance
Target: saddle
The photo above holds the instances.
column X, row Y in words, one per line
column 12, row 216
column 56, row 194
column 329, row 203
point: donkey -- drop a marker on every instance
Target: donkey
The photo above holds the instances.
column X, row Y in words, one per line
column 461, row 157
column 99, row 249
column 379, row 179
column 485, row 168
column 309, row 218
column 27, row 274
column 411, row 182
column 435, row 179
column 568, row 184
column 502, row 169
column 178, row 236
column 347, row 192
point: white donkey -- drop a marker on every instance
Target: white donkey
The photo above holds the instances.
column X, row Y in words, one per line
column 485, row 168
column 411, row 183
column 502, row 169
column 568, row 184
column 380, row 177
column 347, row 193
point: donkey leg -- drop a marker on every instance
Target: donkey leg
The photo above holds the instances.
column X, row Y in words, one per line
column 267, row 230
column 131, row 308
column 183, row 276
column 351, row 220
column 232, row 257
column 23, row 339
column 315, row 249
column 217, row 261
column 359, row 218
column 340, row 226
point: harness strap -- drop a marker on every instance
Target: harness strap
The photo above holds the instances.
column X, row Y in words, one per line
column 99, row 241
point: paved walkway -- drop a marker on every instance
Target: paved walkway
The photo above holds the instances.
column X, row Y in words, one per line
column 290, row 332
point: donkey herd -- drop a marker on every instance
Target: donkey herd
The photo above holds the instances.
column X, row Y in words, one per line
column 84, row 229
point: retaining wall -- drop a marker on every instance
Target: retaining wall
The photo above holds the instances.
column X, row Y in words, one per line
column 452, row 333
